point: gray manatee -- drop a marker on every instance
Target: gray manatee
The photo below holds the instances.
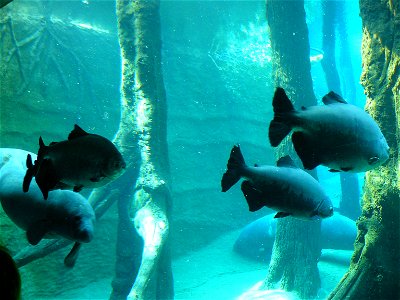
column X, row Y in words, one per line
column 257, row 238
column 65, row 214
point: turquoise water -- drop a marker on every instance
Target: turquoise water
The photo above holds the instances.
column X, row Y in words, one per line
column 61, row 65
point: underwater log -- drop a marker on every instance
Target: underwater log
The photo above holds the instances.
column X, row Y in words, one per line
column 297, row 244
column 375, row 265
column 144, row 94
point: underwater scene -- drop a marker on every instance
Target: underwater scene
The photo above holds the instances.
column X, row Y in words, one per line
column 183, row 149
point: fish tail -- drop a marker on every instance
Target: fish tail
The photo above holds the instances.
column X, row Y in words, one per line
column 30, row 173
column 279, row 127
column 235, row 166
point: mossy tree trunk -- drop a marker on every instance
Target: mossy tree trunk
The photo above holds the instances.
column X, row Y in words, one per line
column 333, row 18
column 374, row 270
column 297, row 243
column 143, row 88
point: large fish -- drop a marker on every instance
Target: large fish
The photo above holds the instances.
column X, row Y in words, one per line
column 84, row 160
column 338, row 135
column 65, row 214
column 285, row 188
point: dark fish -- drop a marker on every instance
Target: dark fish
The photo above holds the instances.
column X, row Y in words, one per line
column 10, row 280
column 84, row 160
column 285, row 188
column 338, row 135
column 4, row 2
column 65, row 214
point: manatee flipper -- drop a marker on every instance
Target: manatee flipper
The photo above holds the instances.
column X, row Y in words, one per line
column 253, row 196
column 305, row 150
column 37, row 231
column 46, row 177
column 70, row 259
column 282, row 214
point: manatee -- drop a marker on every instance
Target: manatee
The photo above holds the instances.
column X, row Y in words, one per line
column 65, row 213
column 257, row 238
column 284, row 188
column 337, row 135
column 84, row 160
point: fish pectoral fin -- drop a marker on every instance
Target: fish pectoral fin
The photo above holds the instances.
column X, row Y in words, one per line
column 373, row 160
column 305, row 150
column 70, row 259
column 346, row 169
column 37, row 231
column 46, row 177
column 282, row 214
column 78, row 188
column 253, row 196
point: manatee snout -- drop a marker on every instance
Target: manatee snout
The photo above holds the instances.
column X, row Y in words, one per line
column 84, row 233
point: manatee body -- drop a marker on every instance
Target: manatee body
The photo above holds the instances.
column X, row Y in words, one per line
column 338, row 135
column 65, row 214
column 284, row 188
column 84, row 160
column 257, row 238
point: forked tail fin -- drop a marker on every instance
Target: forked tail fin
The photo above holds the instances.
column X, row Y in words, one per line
column 234, row 169
column 279, row 127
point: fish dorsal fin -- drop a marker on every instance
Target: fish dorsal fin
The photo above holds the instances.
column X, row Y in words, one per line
column 76, row 133
column 332, row 98
column 286, row 161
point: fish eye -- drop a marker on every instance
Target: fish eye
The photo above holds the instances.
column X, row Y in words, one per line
column 76, row 219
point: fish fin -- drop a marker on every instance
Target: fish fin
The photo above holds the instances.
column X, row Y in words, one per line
column 30, row 173
column 253, row 196
column 305, row 150
column 37, row 231
column 46, row 177
column 78, row 188
column 233, row 173
column 77, row 132
column 70, row 259
column 278, row 128
column 346, row 169
column 373, row 160
column 286, row 161
column 333, row 170
column 332, row 98
column 281, row 214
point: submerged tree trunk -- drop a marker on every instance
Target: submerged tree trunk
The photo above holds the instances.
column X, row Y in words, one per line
column 297, row 243
column 143, row 88
column 333, row 11
column 375, row 265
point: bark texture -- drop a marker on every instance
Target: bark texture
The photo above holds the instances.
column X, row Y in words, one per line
column 144, row 93
column 375, row 265
column 296, row 250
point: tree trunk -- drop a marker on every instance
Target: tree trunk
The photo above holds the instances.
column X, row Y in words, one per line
column 333, row 11
column 297, row 243
column 143, row 91
column 375, row 265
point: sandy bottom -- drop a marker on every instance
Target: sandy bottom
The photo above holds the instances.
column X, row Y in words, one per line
column 216, row 272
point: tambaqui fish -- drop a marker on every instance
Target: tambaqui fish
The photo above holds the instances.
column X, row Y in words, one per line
column 84, row 160
column 338, row 135
column 285, row 188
